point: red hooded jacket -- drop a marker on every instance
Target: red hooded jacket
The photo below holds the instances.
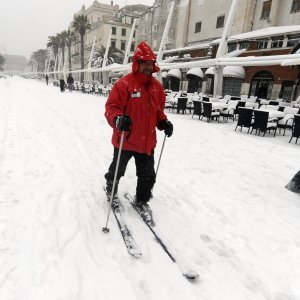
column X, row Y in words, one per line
column 140, row 97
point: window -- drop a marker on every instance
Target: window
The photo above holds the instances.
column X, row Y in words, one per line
column 286, row 89
column 134, row 34
column 132, row 47
column 155, row 28
column 123, row 31
column 293, row 40
column 114, row 30
column 123, row 45
column 244, row 45
column 265, row 14
column 295, row 6
column 232, row 47
column 220, row 21
column 277, row 42
column 198, row 27
column 113, row 44
column 262, row 44
column 132, row 20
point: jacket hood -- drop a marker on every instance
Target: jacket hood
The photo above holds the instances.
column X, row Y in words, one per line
column 143, row 52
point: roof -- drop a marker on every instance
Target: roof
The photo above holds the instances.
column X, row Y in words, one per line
column 194, row 47
column 229, row 71
column 269, row 31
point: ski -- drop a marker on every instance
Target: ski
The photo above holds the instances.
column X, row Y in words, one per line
column 178, row 259
column 130, row 243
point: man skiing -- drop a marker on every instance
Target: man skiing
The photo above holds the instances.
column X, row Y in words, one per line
column 136, row 106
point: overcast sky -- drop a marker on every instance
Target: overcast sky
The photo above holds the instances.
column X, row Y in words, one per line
column 26, row 24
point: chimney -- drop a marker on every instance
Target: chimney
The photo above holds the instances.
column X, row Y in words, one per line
column 112, row 3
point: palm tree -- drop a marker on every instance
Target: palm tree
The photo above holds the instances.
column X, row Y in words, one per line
column 39, row 57
column 62, row 43
column 2, row 61
column 81, row 25
column 54, row 44
column 114, row 56
column 70, row 38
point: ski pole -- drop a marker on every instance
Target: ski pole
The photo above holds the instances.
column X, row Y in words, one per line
column 161, row 151
column 106, row 229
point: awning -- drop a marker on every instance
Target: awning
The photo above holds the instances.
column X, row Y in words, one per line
column 174, row 73
column 210, row 71
column 229, row 71
column 196, row 72
column 234, row 71
column 164, row 74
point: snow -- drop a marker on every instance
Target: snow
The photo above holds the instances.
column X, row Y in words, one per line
column 265, row 32
column 228, row 71
column 219, row 199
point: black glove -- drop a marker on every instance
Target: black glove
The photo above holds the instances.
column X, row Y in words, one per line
column 167, row 126
column 123, row 123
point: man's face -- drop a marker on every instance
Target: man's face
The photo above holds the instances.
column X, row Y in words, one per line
column 146, row 67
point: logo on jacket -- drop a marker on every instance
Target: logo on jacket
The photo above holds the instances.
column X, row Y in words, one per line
column 136, row 94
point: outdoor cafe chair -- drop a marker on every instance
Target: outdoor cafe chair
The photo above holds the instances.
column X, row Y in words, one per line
column 288, row 119
column 229, row 112
column 296, row 128
column 238, row 105
column 197, row 109
column 209, row 113
column 245, row 118
column 181, row 104
column 262, row 123
column 273, row 102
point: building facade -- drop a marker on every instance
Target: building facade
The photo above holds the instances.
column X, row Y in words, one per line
column 152, row 24
column 105, row 19
column 197, row 27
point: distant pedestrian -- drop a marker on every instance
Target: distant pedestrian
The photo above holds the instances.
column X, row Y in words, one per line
column 62, row 85
column 70, row 82
column 262, row 91
column 47, row 78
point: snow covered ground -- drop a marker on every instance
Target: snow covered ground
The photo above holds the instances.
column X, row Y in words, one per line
column 219, row 199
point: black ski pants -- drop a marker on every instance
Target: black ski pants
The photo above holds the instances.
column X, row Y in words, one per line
column 144, row 170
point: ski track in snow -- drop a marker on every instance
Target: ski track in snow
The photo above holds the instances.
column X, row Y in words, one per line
column 219, row 199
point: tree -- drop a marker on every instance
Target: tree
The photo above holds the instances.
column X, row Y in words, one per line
column 62, row 43
column 39, row 57
column 81, row 25
column 70, row 38
column 2, row 61
column 54, row 44
column 114, row 56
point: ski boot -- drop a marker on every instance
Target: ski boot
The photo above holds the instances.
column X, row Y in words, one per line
column 115, row 201
column 144, row 210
